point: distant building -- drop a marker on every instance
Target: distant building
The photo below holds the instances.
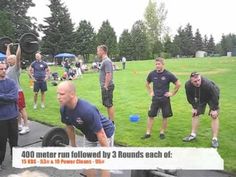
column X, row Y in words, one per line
column 200, row 54
column 229, row 54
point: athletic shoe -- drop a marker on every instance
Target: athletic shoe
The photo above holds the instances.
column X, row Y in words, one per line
column 42, row 106
column 24, row 130
column 20, row 127
column 146, row 136
column 189, row 138
column 35, row 106
column 214, row 143
column 162, row 136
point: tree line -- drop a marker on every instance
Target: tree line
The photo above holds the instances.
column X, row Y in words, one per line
column 148, row 38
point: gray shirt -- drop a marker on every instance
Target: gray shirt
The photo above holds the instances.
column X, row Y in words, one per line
column 106, row 67
column 13, row 72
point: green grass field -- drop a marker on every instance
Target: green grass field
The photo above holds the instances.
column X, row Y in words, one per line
column 131, row 97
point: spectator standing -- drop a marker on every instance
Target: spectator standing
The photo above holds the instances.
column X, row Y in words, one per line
column 106, row 80
column 123, row 60
column 39, row 71
column 8, row 113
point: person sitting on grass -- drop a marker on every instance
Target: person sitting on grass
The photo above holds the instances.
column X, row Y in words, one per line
column 72, row 74
column 55, row 76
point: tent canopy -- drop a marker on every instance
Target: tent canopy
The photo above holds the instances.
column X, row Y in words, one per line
column 64, row 55
column 2, row 56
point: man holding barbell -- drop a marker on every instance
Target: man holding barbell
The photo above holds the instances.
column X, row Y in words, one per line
column 13, row 72
column 80, row 114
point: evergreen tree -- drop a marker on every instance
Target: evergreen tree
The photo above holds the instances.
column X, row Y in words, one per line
column 223, row 45
column 205, row 43
column 180, row 41
column 16, row 11
column 183, row 43
column 106, row 35
column 6, row 25
column 59, row 35
column 219, row 50
column 228, row 42
column 125, row 45
column 167, row 44
column 139, row 41
column 198, row 43
column 85, row 39
column 175, row 50
column 211, row 46
column 188, row 45
column 158, row 48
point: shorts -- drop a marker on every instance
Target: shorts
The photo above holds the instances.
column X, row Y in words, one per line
column 107, row 96
column 40, row 85
column 88, row 143
column 202, row 108
column 163, row 104
column 21, row 100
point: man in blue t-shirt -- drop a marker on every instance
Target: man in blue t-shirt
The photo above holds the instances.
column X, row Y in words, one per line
column 39, row 72
column 160, row 79
column 80, row 114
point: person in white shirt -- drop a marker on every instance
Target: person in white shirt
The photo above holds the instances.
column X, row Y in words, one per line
column 123, row 60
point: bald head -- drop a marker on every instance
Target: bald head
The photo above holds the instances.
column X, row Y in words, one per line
column 67, row 86
column 66, row 94
column 11, row 60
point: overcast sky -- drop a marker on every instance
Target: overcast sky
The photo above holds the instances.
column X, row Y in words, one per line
column 214, row 17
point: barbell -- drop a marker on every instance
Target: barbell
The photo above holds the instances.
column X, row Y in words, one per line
column 28, row 43
column 56, row 137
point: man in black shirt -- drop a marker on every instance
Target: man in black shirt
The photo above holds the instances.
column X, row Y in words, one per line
column 160, row 79
column 200, row 91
